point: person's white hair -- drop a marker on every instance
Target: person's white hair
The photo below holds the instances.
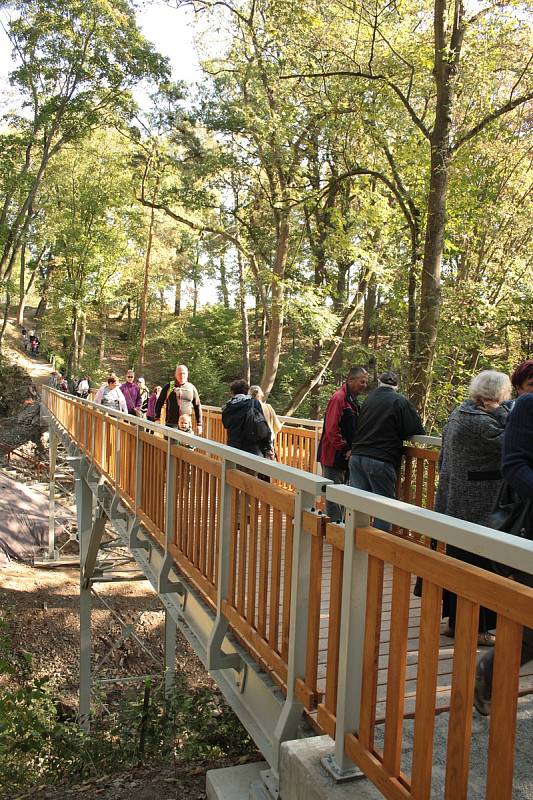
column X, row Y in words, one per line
column 256, row 391
column 490, row 385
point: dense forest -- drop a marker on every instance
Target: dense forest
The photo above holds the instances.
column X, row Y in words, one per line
column 347, row 183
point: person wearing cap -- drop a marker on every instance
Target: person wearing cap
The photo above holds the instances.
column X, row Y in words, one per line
column 386, row 420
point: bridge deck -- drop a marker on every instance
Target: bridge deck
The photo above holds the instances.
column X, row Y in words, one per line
column 446, row 650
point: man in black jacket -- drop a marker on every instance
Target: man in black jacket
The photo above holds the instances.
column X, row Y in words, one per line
column 386, row 420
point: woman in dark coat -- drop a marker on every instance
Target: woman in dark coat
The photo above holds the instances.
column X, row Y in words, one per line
column 470, row 474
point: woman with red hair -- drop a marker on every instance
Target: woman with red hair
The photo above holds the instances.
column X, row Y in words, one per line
column 522, row 377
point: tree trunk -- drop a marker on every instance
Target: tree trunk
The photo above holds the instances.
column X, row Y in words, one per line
column 81, row 336
column 339, row 303
column 447, row 57
column 6, row 315
column 22, row 286
column 223, row 282
column 102, row 336
column 177, row 299
column 144, row 297
column 245, row 329
column 369, row 311
column 72, row 365
column 43, row 303
column 275, row 332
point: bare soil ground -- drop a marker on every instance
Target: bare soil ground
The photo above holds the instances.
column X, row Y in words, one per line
column 45, row 623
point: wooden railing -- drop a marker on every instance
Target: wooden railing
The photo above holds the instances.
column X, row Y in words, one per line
column 371, row 686
column 327, row 610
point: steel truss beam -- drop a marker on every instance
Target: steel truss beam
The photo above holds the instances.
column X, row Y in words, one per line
column 252, row 694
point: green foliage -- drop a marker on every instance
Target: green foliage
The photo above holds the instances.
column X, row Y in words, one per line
column 40, row 741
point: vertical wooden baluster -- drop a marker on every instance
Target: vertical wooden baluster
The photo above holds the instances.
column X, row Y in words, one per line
column 233, row 548
column 334, row 622
column 243, row 546
column 287, row 577
column 252, row 562
column 431, row 480
column 419, row 491
column 198, row 537
column 204, row 525
column 426, row 688
column 264, row 547
column 503, row 709
column 212, row 527
column 460, row 720
column 369, row 686
column 275, row 582
column 399, row 625
column 315, row 606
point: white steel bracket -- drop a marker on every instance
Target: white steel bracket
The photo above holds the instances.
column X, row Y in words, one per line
column 165, row 584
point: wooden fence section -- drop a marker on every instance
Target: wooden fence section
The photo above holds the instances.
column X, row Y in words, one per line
column 258, row 601
column 474, row 587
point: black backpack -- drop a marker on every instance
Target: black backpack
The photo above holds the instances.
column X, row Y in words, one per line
column 255, row 428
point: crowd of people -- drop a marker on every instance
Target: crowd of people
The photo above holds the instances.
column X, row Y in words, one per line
column 487, row 450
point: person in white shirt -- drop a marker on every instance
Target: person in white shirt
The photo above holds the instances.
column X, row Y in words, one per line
column 110, row 396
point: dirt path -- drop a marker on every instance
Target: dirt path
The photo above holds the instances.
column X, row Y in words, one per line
column 37, row 367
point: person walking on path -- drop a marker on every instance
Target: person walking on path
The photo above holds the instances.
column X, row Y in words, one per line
column 235, row 416
column 470, row 475
column 274, row 423
column 179, row 398
column 338, row 431
column 110, row 395
column 386, row 420
column 131, row 392
column 517, row 469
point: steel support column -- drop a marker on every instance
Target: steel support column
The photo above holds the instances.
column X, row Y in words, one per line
column 299, row 619
column 352, row 635
column 52, row 445
column 170, row 653
column 216, row 658
column 84, row 508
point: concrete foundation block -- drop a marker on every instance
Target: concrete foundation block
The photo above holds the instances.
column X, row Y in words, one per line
column 234, row 783
column 302, row 776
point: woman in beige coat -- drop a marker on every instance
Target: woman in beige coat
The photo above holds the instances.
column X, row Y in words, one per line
column 270, row 415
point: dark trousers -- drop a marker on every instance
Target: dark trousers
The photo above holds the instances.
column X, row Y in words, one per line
column 334, row 511
column 486, row 663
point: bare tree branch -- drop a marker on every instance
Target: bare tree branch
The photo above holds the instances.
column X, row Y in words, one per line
column 518, row 101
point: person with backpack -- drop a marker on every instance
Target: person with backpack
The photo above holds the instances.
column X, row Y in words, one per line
column 245, row 423
column 82, row 387
column 109, row 395
column 179, row 398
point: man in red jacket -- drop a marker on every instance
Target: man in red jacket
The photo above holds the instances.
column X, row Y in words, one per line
column 340, row 422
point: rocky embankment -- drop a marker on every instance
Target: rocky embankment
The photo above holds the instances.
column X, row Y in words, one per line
column 20, row 423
